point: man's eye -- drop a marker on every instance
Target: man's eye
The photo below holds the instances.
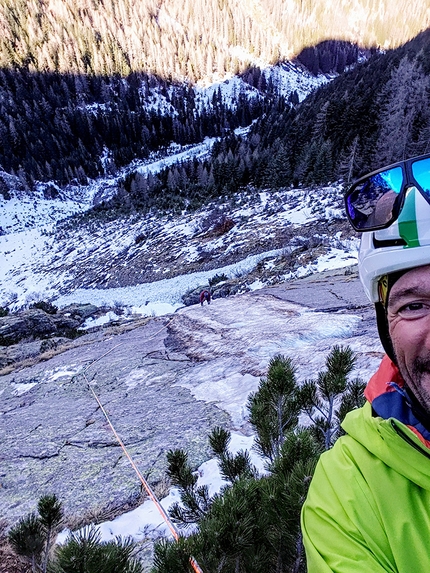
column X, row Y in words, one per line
column 414, row 309
column 414, row 306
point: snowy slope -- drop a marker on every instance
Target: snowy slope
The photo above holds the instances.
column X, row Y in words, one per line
column 286, row 78
column 137, row 261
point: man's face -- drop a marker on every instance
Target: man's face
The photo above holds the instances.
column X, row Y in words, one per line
column 408, row 314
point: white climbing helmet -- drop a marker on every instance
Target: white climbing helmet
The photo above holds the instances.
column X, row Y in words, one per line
column 391, row 207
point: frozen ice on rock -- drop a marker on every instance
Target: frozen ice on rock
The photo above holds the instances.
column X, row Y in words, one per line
column 229, row 393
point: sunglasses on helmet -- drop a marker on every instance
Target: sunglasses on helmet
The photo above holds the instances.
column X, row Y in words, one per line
column 374, row 201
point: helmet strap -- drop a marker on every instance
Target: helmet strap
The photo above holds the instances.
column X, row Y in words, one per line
column 382, row 323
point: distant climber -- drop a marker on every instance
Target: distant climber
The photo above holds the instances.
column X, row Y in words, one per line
column 205, row 295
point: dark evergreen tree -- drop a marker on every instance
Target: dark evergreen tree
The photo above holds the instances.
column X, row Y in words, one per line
column 28, row 541
column 34, row 535
column 253, row 524
column 232, row 467
column 84, row 552
column 322, row 398
column 278, row 170
column 195, row 501
column 274, row 408
column 404, row 99
column 173, row 557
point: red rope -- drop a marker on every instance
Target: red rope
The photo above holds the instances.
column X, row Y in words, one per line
column 145, row 484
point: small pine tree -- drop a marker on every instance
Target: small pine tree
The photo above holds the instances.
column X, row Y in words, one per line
column 4, row 311
column 291, row 474
column 195, row 501
column 232, row 467
column 28, row 541
column 172, row 557
column 253, row 523
column 84, row 552
column 50, row 517
column 274, row 408
column 47, row 307
column 32, row 538
column 320, row 398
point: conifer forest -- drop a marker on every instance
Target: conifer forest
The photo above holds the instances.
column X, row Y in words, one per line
column 77, row 85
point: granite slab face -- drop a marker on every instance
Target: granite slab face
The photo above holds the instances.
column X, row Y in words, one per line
column 55, row 439
column 165, row 383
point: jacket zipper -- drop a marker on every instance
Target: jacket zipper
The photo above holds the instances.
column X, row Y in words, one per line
column 409, row 440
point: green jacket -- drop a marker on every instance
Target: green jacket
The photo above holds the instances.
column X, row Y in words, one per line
column 368, row 507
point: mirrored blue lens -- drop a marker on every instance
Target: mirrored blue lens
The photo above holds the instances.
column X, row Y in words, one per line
column 421, row 173
column 371, row 203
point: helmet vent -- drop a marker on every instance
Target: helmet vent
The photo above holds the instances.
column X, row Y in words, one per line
column 388, row 243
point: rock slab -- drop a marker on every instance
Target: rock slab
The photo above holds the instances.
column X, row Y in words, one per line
column 164, row 384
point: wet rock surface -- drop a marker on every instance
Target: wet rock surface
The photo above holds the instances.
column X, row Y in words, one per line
column 154, row 379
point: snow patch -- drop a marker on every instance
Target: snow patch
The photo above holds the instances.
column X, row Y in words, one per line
column 20, row 389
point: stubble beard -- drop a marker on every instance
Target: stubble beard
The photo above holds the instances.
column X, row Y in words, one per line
column 420, row 383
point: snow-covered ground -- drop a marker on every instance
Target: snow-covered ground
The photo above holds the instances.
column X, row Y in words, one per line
column 37, row 265
column 165, row 296
column 146, row 520
column 26, row 211
column 287, row 77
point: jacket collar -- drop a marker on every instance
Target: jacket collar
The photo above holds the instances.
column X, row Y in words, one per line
column 389, row 397
column 380, row 381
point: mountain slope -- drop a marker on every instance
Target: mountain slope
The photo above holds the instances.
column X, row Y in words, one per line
column 69, row 128
column 287, row 233
column 372, row 115
column 192, row 39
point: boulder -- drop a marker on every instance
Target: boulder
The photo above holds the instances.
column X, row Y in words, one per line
column 52, row 343
column 80, row 311
column 65, row 324
column 18, row 352
column 35, row 323
column 219, row 290
column 227, row 288
column 31, row 323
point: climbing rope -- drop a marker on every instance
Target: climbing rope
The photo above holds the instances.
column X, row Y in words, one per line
column 145, row 484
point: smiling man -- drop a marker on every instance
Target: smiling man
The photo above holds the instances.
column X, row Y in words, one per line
column 368, row 507
column 408, row 313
